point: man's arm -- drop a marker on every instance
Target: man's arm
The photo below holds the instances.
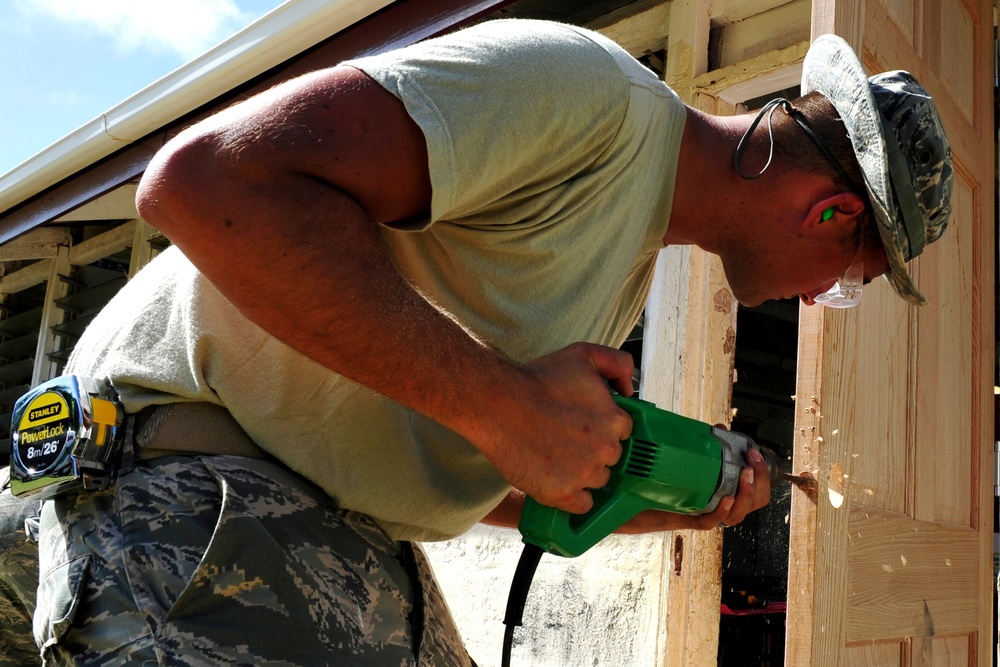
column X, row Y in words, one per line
column 752, row 493
column 277, row 202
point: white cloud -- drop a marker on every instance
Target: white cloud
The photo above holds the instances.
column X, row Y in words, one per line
column 186, row 28
column 62, row 98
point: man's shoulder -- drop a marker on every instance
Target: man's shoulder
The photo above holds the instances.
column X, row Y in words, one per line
column 585, row 50
column 505, row 45
column 547, row 38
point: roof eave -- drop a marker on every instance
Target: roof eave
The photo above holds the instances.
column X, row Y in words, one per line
column 285, row 32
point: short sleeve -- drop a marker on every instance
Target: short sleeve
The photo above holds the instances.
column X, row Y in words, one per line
column 508, row 108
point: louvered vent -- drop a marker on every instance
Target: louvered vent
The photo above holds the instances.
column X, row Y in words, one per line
column 642, row 459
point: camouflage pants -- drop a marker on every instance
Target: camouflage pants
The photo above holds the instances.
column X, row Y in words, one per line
column 203, row 561
column 18, row 581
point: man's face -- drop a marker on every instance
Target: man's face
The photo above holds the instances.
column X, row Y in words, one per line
column 806, row 267
column 869, row 263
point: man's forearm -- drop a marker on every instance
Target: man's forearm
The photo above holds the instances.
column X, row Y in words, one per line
column 321, row 281
column 753, row 492
column 508, row 513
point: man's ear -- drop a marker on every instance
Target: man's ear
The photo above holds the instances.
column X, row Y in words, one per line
column 837, row 209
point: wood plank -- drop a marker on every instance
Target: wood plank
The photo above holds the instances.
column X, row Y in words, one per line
column 22, row 279
column 881, row 463
column 105, row 244
column 51, row 316
column 142, row 247
column 959, row 21
column 639, row 27
column 819, row 525
column 731, row 11
column 118, row 204
column 902, row 14
column 839, row 18
column 664, row 341
column 688, row 368
column 771, row 71
column 687, row 45
column 762, row 33
column 809, row 609
column 39, row 243
column 949, row 651
column 946, row 484
column 698, row 381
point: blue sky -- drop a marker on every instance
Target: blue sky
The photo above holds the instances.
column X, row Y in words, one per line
column 65, row 62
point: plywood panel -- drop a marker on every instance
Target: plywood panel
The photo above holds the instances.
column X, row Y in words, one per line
column 948, row 652
column 891, row 557
column 882, row 454
column 874, row 655
column 962, row 120
column 902, row 13
column 957, row 43
column 944, row 372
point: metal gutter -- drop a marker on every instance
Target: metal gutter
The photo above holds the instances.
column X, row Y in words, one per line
column 279, row 35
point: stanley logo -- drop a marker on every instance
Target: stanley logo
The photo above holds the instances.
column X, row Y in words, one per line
column 50, row 410
column 43, row 434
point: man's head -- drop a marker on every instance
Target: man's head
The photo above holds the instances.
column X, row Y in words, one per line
column 900, row 147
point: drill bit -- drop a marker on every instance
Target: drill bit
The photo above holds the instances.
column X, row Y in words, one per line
column 804, row 482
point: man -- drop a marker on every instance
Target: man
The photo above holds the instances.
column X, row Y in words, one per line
column 412, row 272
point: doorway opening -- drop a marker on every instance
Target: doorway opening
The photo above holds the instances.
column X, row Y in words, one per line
column 755, row 553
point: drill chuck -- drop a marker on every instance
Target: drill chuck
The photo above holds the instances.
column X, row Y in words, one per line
column 734, row 449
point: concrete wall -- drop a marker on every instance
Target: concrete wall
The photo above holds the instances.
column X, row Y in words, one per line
column 603, row 608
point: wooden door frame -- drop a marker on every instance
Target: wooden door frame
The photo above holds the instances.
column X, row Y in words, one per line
column 689, row 348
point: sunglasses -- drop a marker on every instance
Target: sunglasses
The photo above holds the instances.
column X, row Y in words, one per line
column 846, row 292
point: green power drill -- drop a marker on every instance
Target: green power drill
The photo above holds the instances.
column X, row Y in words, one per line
column 669, row 462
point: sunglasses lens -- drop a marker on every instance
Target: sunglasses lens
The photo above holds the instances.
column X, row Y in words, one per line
column 840, row 295
column 846, row 293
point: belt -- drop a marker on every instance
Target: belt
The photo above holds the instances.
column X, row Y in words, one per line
column 190, row 428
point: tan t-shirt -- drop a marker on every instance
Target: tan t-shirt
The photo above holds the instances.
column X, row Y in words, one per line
column 552, row 157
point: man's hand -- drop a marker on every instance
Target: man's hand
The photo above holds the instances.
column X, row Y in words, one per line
column 560, row 430
column 754, row 492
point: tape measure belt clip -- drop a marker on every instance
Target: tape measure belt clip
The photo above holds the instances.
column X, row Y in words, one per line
column 67, row 435
column 71, row 434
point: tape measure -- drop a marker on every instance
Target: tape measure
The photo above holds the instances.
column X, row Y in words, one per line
column 65, row 437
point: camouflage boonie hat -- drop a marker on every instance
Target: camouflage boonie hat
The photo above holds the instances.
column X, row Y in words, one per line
column 901, row 148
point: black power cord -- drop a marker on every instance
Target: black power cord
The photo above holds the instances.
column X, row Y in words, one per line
column 519, row 587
